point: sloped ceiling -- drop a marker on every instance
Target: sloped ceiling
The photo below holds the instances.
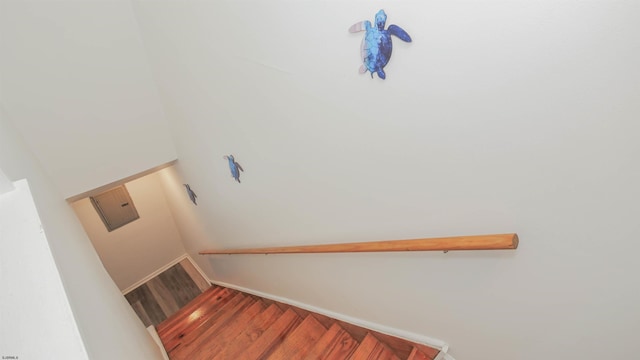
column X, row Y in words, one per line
column 76, row 82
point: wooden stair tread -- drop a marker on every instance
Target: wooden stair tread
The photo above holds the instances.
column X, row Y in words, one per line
column 190, row 341
column 296, row 345
column 190, row 320
column 418, row 355
column 402, row 348
column 335, row 344
column 424, row 350
column 216, row 341
column 195, row 323
column 372, row 349
column 189, row 308
column 250, row 333
column 225, row 324
column 271, row 337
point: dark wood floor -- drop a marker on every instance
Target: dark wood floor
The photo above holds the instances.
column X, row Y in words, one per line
column 165, row 294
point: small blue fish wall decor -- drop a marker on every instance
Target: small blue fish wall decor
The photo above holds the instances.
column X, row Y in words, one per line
column 191, row 193
column 376, row 45
column 234, row 167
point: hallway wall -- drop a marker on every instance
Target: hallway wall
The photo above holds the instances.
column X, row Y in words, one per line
column 136, row 250
column 108, row 326
column 188, row 217
column 34, row 307
column 499, row 117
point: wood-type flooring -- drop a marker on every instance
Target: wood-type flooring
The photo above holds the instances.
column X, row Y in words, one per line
column 226, row 324
column 165, row 294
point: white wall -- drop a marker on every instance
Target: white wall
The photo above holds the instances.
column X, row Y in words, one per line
column 499, row 117
column 188, row 219
column 76, row 81
column 108, row 326
column 34, row 306
column 6, row 185
column 136, row 250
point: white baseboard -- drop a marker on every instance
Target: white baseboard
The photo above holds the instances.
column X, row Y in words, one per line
column 417, row 338
column 195, row 265
column 154, row 334
column 156, row 273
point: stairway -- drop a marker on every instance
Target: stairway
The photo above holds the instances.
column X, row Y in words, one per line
column 222, row 323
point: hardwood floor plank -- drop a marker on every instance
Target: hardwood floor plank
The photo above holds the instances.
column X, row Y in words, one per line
column 372, row 349
column 299, row 342
column 192, row 343
column 192, row 326
column 251, row 333
column 225, row 324
column 191, row 289
column 142, row 314
column 182, row 288
column 335, row 344
column 206, row 298
column 402, row 348
column 132, row 297
column 163, row 296
column 262, row 347
column 418, row 355
column 216, row 341
column 148, row 302
column 427, row 351
column 202, row 283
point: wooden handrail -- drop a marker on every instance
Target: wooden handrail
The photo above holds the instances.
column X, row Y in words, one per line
column 477, row 242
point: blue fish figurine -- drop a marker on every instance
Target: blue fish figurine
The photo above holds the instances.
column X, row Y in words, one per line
column 376, row 45
column 234, row 167
column 191, row 193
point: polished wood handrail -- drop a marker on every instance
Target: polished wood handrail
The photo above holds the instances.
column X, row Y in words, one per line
column 476, row 242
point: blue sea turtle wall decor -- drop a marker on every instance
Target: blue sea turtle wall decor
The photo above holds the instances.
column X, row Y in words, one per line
column 191, row 193
column 376, row 45
column 234, row 167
